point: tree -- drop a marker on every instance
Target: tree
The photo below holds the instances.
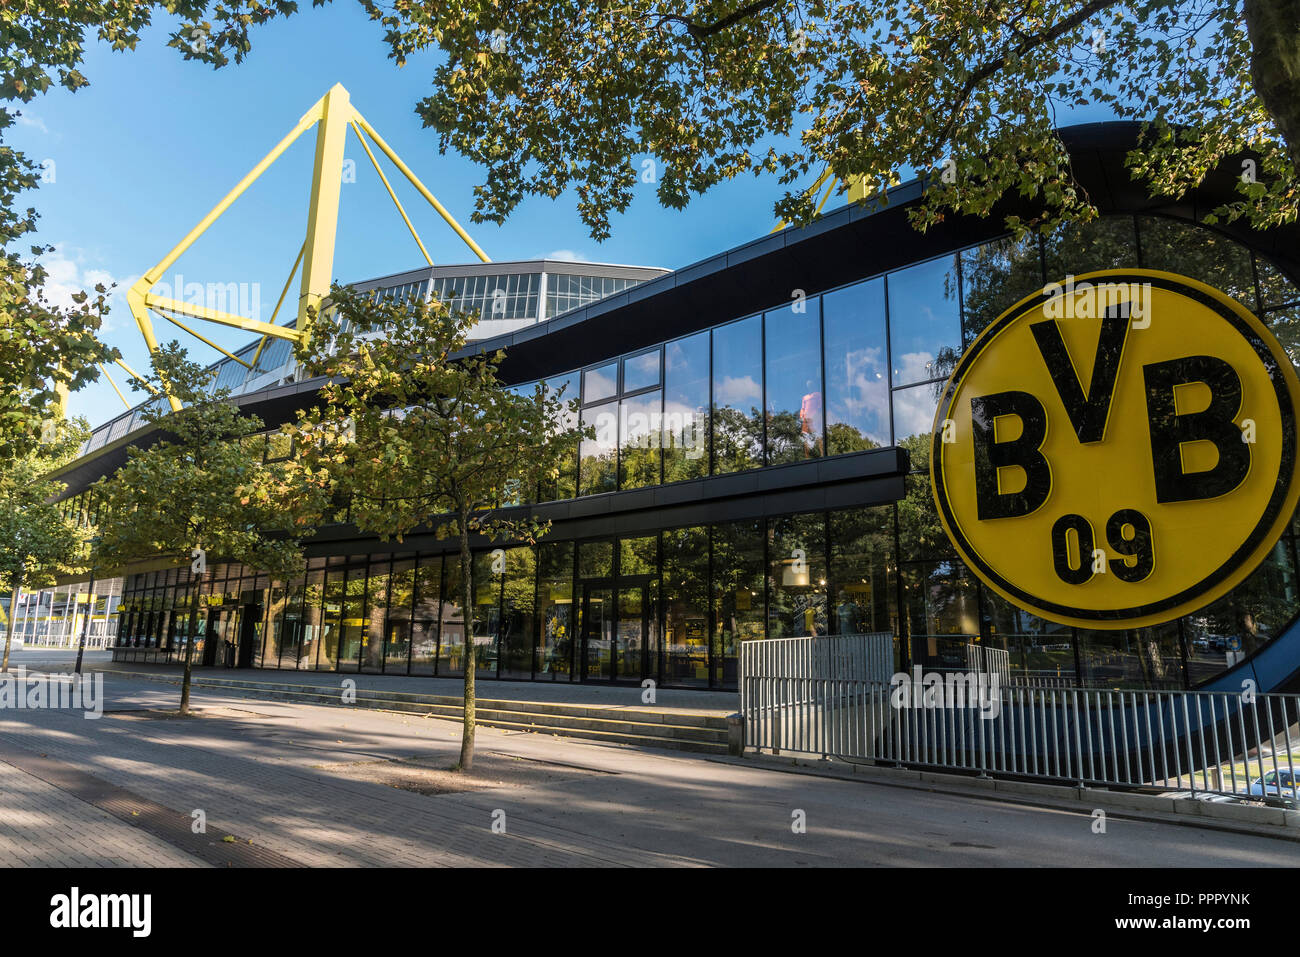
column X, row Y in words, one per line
column 410, row 437
column 549, row 95
column 45, row 351
column 37, row 541
column 198, row 493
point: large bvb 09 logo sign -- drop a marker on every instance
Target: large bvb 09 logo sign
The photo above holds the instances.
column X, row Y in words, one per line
column 1119, row 449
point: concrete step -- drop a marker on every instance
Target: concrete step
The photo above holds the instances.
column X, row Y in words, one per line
column 642, row 727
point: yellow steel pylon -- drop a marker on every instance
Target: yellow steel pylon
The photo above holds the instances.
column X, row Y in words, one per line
column 332, row 115
column 855, row 190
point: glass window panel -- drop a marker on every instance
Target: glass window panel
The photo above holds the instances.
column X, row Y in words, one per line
column 1190, row 250
column 598, row 467
column 451, row 637
column 686, row 607
column 1076, row 248
column 1253, row 614
column 796, row 604
column 914, row 410
column 640, row 422
column 595, row 559
column 599, row 383
column 517, row 613
column 862, row 571
column 857, row 371
column 487, row 613
column 738, row 396
column 352, row 620
column 994, row 277
column 1285, row 324
column 641, row 371
column 555, row 609
column 376, row 617
column 686, row 408
column 794, row 382
column 1274, row 287
column 738, row 604
column 397, row 634
column 1037, row 648
column 314, row 624
column 565, row 389
column 924, row 320
column 1132, row 658
column 942, row 613
column 638, row 556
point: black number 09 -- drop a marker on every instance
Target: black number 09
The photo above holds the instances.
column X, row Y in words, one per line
column 1128, row 532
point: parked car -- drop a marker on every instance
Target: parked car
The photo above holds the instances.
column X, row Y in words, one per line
column 1276, row 784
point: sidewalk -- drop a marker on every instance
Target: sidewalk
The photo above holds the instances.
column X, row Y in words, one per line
column 488, row 689
column 315, row 785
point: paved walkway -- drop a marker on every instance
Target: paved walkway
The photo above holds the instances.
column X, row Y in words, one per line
column 291, row 780
column 613, row 696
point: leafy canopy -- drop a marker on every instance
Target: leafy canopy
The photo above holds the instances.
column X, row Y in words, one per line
column 37, row 542
column 203, row 483
column 412, row 429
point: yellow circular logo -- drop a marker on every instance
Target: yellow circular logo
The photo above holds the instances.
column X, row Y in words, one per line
column 1119, row 449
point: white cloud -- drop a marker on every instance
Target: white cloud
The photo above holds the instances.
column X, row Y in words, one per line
column 31, row 119
column 566, row 255
column 68, row 275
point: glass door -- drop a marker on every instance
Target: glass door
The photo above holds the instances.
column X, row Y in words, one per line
column 632, row 635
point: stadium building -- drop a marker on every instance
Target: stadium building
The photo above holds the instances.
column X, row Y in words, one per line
column 760, row 467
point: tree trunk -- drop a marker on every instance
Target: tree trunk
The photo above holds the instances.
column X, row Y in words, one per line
column 13, row 608
column 1274, row 30
column 471, row 665
column 189, row 647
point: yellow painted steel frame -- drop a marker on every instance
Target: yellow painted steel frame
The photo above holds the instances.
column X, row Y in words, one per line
column 855, row 191
column 332, row 114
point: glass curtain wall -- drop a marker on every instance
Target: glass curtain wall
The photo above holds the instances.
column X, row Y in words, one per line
column 857, row 368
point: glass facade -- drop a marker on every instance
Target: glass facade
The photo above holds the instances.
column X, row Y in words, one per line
column 840, row 372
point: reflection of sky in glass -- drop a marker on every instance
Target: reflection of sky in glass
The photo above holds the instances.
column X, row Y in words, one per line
column 922, row 321
column 641, row 372
column 914, row 410
column 600, row 383
column 857, row 371
column 744, row 393
column 737, row 365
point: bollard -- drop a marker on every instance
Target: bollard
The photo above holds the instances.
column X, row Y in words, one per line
column 736, row 734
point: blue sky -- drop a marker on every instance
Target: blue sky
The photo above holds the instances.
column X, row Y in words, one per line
column 140, row 155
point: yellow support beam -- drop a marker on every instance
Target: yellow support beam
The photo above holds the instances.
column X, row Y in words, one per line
column 810, row 191
column 280, row 302
column 323, row 213
column 141, row 379
column 424, row 191
column 203, row 339
column 161, row 304
column 114, row 385
column 332, row 114
column 396, row 202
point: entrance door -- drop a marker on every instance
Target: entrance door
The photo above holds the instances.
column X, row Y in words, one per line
column 250, row 634
column 212, row 633
column 615, row 632
column 632, row 635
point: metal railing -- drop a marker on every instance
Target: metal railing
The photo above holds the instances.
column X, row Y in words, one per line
column 988, row 660
column 1172, row 740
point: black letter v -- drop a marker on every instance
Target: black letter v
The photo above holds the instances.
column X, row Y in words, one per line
column 1087, row 415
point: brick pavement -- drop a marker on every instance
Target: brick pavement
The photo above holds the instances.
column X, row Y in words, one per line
column 262, row 770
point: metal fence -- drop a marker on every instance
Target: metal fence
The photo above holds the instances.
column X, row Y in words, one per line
column 1172, row 740
column 982, row 658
